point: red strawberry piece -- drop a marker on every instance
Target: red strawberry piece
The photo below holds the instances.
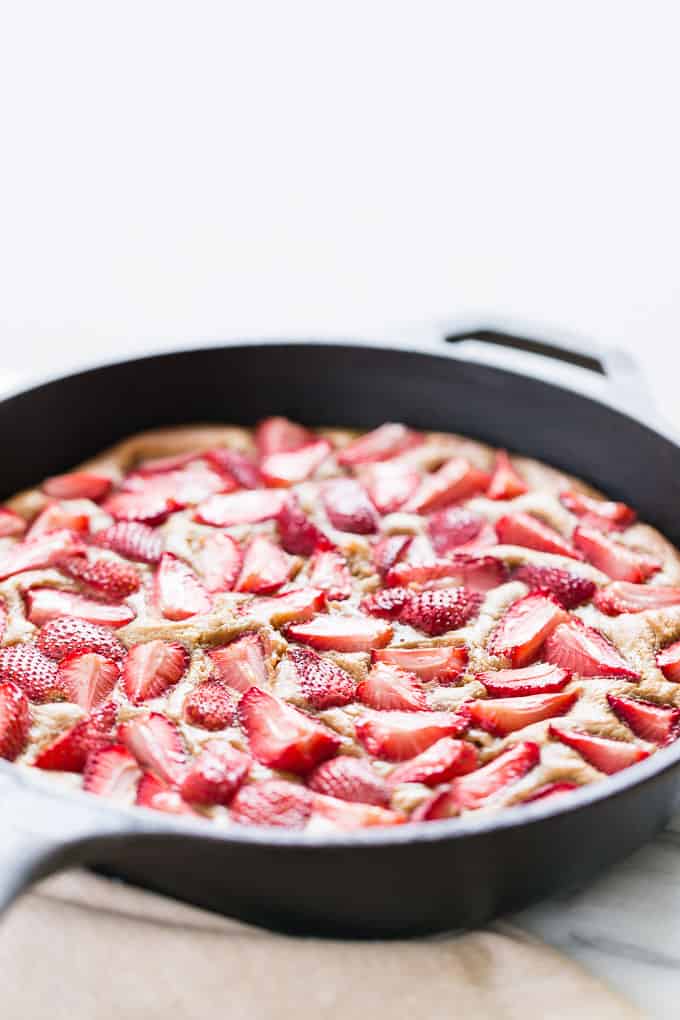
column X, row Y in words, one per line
column 192, row 484
column 112, row 772
column 67, row 635
column 443, row 664
column 282, row 737
column 55, row 518
column 456, row 528
column 216, row 774
column 15, row 720
column 77, row 485
column 348, row 507
column 328, row 571
column 296, row 604
column 527, row 531
column 436, row 612
column 606, row 755
column 345, row 814
column 11, row 524
column 569, row 589
column 45, row 604
column 439, row 763
column 388, row 551
column 389, row 687
column 467, row 793
column 179, row 593
column 247, row 507
column 237, row 466
column 156, row 744
column 152, row 667
column 219, row 561
column 454, row 481
column 163, row 465
column 350, row 779
column 618, row 514
column 612, row 558
column 386, row 602
column 46, row 551
column 289, row 468
column 272, row 802
column 341, row 633
column 525, row 626
column 624, row 597
column 386, row 441
column 70, row 751
column 265, row 567
column 146, row 507
column 659, row 724
column 477, row 573
column 501, row 716
column 668, row 661
column 211, row 705
column 241, row 664
column 542, row 678
column 32, row 672
column 297, row 533
column 322, row 681
column 279, row 435
column 505, row 482
column 551, row 790
column 389, row 487
column 155, row 794
column 107, row 579
column 131, row 539
column 586, row 652
column 88, row 678
column 398, row 736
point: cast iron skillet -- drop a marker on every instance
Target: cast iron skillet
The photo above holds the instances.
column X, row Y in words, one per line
column 407, row 880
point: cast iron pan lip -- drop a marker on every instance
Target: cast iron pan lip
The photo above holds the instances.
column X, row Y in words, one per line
column 147, row 822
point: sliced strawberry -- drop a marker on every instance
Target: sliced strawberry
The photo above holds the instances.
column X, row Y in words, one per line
column 70, row 750
column 163, row 465
column 67, row 635
column 542, row 678
column 612, row 558
column 241, row 664
column 345, row 814
column 152, row 667
column 624, row 597
column 341, row 633
column 467, row 793
column 107, row 579
column 265, row 567
column 350, row 779
column 388, row 551
column 436, row 612
column 293, row 466
column 527, row 531
column 659, row 724
column 586, row 652
column 389, row 687
column 216, row 774
column 296, row 604
column 454, row 481
column 32, row 672
column 443, row 664
column 569, row 589
column 388, row 489
column 77, row 485
column 238, row 466
column 323, row 682
column 146, row 507
column 501, row 716
column 477, row 573
column 219, row 561
column 272, row 802
column 211, row 705
column 551, row 790
column 45, row 551
column 45, row 604
column 505, row 482
column 185, row 487
column 282, row 737
column 328, row 571
column 398, row 736
column 386, row 602
column 157, row 745
column 131, row 539
column 88, row 678
column 55, row 518
column 155, row 794
column 606, row 755
column 15, row 720
column 439, row 763
column 617, row 514
column 11, row 524
column 386, row 441
column 348, row 507
column 668, row 661
column 278, row 435
column 247, row 507
column 525, row 626
column 112, row 772
column 179, row 593
column 455, row 528
column 297, row 533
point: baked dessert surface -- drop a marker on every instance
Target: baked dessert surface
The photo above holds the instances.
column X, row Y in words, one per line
column 323, row 630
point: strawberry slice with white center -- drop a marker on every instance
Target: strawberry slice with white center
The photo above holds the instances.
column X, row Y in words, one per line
column 660, row 724
column 289, row 468
column 156, row 744
column 525, row 626
column 238, row 467
column 78, row 485
column 612, row 558
column 281, row 737
column 105, row 578
column 68, row 635
column 157, row 795
column 501, row 716
column 279, row 435
column 530, row 533
column 146, row 507
column 398, row 736
column 477, row 573
column 505, row 481
column 541, row 678
column 444, row 663
column 350, row 779
column 179, row 593
column 341, row 633
column 247, row 507
column 297, row 533
column 296, row 604
column 388, row 551
column 219, row 561
column 391, row 688
column 152, row 667
column 441, row 761
column 570, row 590
column 668, row 661
column 454, row 481
column 56, row 518
column 112, row 772
column 551, row 790
column 265, row 567
column 382, row 443
column 45, row 604
column 131, row 539
column 348, row 507
column 328, row 571
column 617, row 514
column 216, row 774
column 88, row 678
column 192, row 484
column 15, row 720
column 70, row 750
column 389, row 488
column 211, row 705
column 36, row 554
column 11, row 524
column 586, row 652
column 241, row 664
column 323, row 682
column 624, row 597
column 347, row 815
column 272, row 802
column 31, row 671
column 608, row 756
column 457, row 529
